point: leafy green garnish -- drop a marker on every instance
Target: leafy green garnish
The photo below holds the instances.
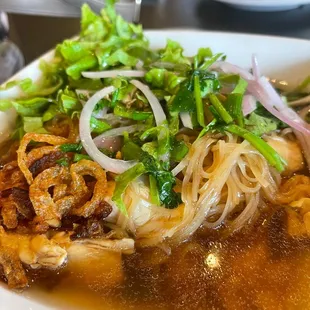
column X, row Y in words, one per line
column 265, row 149
column 122, row 181
column 78, row 157
column 71, row 147
column 33, row 124
column 63, row 162
column 98, row 126
column 260, row 125
column 164, row 179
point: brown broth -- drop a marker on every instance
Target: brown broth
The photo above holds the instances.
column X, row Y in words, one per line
column 260, row 267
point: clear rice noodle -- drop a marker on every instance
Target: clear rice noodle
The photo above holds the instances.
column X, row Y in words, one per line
column 224, row 182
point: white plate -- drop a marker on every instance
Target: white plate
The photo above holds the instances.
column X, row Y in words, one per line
column 265, row 5
column 282, row 58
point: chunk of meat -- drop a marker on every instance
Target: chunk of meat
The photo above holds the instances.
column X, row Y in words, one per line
column 126, row 245
column 290, row 151
column 10, row 262
column 40, row 252
column 98, row 267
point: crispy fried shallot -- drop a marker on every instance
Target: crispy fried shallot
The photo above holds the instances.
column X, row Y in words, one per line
column 11, row 176
column 71, row 194
column 25, row 160
column 84, row 168
column 43, row 203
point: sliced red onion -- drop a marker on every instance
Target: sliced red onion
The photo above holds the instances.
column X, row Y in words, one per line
column 113, row 74
column 248, row 104
column 263, row 91
column 110, row 164
column 159, row 114
column 112, row 144
column 186, row 119
column 255, row 67
column 272, row 102
column 227, row 67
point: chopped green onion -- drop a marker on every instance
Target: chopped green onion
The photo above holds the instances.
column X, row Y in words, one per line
column 234, row 107
column 265, row 149
column 220, row 109
column 199, row 104
column 63, row 162
column 71, row 147
column 154, row 191
column 206, row 129
column 78, row 157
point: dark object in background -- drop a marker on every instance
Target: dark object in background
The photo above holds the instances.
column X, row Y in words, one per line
column 11, row 58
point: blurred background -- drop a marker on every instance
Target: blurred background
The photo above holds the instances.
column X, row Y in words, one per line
column 28, row 28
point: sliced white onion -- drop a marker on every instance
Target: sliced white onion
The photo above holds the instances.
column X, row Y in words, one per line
column 112, row 74
column 186, row 119
column 248, row 104
column 159, row 114
column 110, row 164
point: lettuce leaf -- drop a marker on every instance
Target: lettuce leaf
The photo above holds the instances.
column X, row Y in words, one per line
column 260, row 125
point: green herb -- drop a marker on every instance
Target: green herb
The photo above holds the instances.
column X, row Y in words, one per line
column 164, row 179
column 122, row 111
column 265, row 149
column 233, row 104
column 71, row 147
column 154, row 191
column 184, row 100
column 240, row 87
column 63, row 162
column 33, row 124
column 222, row 112
column 198, row 100
column 179, row 150
column 97, row 126
column 260, row 125
column 78, row 157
